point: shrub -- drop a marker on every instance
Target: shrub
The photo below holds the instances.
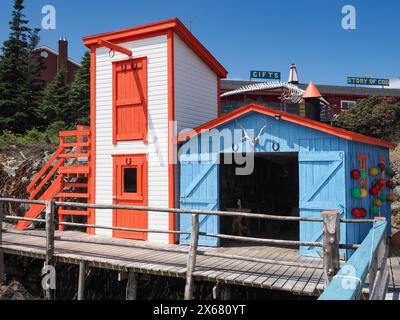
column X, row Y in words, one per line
column 375, row 116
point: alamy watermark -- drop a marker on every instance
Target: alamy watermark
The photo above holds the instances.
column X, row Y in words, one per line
column 349, row 20
column 48, row 277
column 49, row 21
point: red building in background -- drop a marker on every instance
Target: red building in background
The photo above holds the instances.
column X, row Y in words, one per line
column 53, row 61
column 339, row 97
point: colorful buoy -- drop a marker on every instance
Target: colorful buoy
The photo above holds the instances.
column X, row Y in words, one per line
column 355, row 174
column 389, row 171
column 363, row 174
column 391, row 198
column 374, row 191
column 383, row 197
column 374, row 210
column 373, row 172
column 356, row 193
column 382, row 183
column 364, row 193
column 378, row 203
column 359, row 212
column 390, row 184
column 382, row 166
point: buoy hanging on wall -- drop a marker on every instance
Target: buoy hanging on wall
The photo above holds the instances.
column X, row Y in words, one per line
column 355, row 174
column 373, row 172
column 374, row 210
column 356, row 193
column 359, row 212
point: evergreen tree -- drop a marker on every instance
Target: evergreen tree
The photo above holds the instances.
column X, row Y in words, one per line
column 19, row 85
column 55, row 97
column 77, row 110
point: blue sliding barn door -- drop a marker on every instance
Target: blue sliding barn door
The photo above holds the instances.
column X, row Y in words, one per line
column 200, row 190
column 322, row 187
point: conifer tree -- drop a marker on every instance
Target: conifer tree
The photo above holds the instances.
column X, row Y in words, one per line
column 19, row 84
column 55, row 98
column 77, row 110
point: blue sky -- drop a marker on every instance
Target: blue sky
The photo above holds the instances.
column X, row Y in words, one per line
column 248, row 35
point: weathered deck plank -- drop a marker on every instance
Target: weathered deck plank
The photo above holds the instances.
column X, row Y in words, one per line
column 170, row 260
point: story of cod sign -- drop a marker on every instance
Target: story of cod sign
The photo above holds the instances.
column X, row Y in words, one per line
column 363, row 81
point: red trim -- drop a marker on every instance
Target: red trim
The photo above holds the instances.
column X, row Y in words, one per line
column 151, row 29
column 219, row 96
column 92, row 159
column 291, row 118
column 171, row 134
column 113, row 46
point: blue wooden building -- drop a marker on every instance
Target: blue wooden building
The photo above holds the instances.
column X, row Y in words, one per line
column 298, row 167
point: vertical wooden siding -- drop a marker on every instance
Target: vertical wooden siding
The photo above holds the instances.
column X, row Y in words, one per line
column 291, row 138
column 356, row 233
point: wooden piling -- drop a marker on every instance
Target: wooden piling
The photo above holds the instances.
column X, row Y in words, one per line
column 331, row 238
column 131, row 286
column 2, row 265
column 50, row 229
column 82, row 280
column 191, row 264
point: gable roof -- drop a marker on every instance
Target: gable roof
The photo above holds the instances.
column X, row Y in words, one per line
column 156, row 28
column 52, row 51
column 341, row 133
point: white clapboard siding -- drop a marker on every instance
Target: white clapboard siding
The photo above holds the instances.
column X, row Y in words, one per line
column 196, row 88
column 155, row 49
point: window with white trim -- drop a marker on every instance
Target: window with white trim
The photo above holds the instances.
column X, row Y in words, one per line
column 347, row 104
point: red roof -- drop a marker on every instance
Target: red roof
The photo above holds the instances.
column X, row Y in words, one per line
column 344, row 134
column 157, row 28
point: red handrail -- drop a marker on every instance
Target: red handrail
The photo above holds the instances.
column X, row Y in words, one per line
column 40, row 174
column 59, row 155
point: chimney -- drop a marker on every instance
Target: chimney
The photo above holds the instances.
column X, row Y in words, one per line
column 293, row 76
column 62, row 54
column 311, row 98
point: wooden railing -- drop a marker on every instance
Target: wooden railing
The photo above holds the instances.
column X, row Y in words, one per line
column 330, row 244
column 369, row 259
column 69, row 140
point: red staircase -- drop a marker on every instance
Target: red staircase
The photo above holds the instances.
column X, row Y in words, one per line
column 65, row 177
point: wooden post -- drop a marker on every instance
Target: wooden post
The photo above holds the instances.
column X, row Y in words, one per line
column 2, row 265
column 131, row 286
column 50, row 212
column 191, row 264
column 82, row 280
column 331, row 235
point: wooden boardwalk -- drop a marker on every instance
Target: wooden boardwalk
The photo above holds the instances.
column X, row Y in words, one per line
column 286, row 270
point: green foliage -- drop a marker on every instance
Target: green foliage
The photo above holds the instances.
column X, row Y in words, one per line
column 55, row 96
column 77, row 109
column 19, row 83
column 31, row 137
column 375, row 116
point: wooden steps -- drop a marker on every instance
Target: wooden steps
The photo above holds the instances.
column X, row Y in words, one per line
column 74, row 170
column 64, row 177
column 74, row 155
column 70, row 195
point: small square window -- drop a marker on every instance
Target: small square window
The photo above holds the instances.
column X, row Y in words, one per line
column 346, row 105
column 130, row 180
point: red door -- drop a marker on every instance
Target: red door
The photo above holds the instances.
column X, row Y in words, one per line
column 130, row 188
column 130, row 100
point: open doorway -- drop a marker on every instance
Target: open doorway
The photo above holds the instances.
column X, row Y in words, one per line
column 272, row 188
